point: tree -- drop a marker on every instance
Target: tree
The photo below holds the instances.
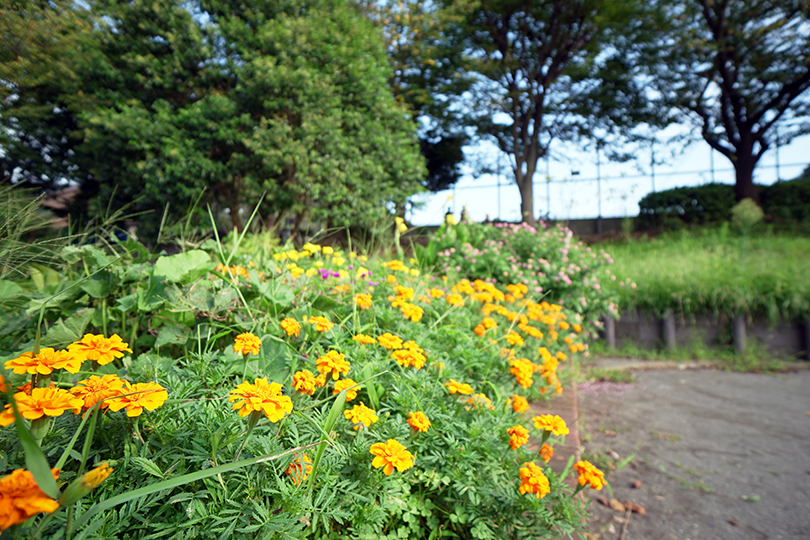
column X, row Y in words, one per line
column 736, row 69
column 534, row 60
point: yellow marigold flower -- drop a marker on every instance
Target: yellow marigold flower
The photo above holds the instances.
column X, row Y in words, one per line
column 327, row 250
column 532, row 480
column 364, row 339
column 92, row 479
column 41, row 402
column 507, row 353
column 418, row 421
column 425, row 299
column 412, row 312
column 321, row 323
column 299, row 468
column 291, row 327
column 96, row 389
column 479, row 330
column 519, row 403
column 518, row 436
column 479, row 401
column 562, row 356
column 552, row 423
column 509, row 298
column 562, row 325
column 263, row 397
column 414, row 272
column 389, row 341
column 3, row 385
column 246, row 344
column 412, row 346
column 360, row 416
column 550, row 364
column 577, row 328
column 311, row 248
column 363, row 300
column 304, row 382
column 546, row 452
column 346, row 384
column 99, row 349
column 489, row 322
column 333, row 362
column 522, row 369
column 142, row 396
column 409, row 357
column 390, row 278
column 514, row 339
column 454, row 300
column 436, row 293
column 320, row 380
column 531, row 330
column 21, row 498
column 45, row 362
column 396, row 266
column 455, row 387
column 389, row 455
column 403, row 292
column 590, row 475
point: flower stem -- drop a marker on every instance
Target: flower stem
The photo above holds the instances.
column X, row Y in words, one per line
column 253, row 419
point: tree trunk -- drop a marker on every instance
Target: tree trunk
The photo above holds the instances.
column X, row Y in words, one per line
column 744, row 170
column 237, row 223
column 526, row 199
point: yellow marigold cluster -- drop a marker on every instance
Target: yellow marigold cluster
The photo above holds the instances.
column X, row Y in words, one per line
column 552, row 423
column 45, row 362
column 261, row 397
column 479, row 402
column 320, row 322
column 364, row 339
column 589, row 475
column 411, row 311
column 139, row 396
column 233, row 272
column 418, row 421
column 363, row 300
column 333, row 362
column 523, row 370
column 346, row 384
column 41, row 402
column 519, row 403
column 299, row 468
column 436, row 293
column 390, row 455
column 396, row 266
column 99, row 349
column 341, row 289
column 454, row 299
column 291, row 327
column 533, row 481
column 361, row 416
column 246, row 344
column 304, row 382
column 518, row 436
column 518, row 291
column 514, row 339
column 389, row 341
column 409, row 358
column 21, row 498
column 98, row 389
column 455, row 387
column 546, row 452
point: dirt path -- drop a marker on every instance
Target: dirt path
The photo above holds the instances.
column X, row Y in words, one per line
column 718, row 455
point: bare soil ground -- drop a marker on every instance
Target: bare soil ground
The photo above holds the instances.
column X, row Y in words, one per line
column 707, row 454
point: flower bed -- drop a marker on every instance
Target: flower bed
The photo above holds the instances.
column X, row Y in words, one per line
column 309, row 393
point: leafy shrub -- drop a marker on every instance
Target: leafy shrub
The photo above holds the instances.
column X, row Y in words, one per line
column 551, row 263
column 686, row 205
column 198, row 470
column 789, row 201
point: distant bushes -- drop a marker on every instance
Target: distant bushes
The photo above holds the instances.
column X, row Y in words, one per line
column 712, row 203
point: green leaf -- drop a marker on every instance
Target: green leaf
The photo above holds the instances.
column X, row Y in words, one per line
column 99, row 286
column 69, row 330
column 171, row 334
column 148, row 466
column 324, row 303
column 35, row 460
column 184, row 267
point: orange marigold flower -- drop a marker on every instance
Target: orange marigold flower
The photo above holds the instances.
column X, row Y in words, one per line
column 562, row 325
column 455, row 387
column 92, row 479
column 141, row 396
column 333, row 362
column 550, row 364
column 546, row 452
column 436, row 293
column 364, row 339
column 21, row 498
column 45, row 362
column 519, row 404
column 247, row 343
column 454, row 300
column 412, row 312
column 96, row 389
column 360, row 416
column 389, row 455
column 588, row 474
column 263, row 397
column 320, row 380
column 552, row 423
column 532, row 480
column 518, row 436
column 418, row 421
column 321, row 323
column 489, row 322
column 299, row 468
column 3, row 385
column 340, row 289
column 514, row 339
column 403, row 292
column 412, row 346
column 304, row 382
column 390, row 278
column 99, row 349
column 408, row 357
column 347, row 384
column 522, row 369
column 562, row 356
column 291, row 327
column 479, row 401
column 577, row 328
column 389, row 341
column 363, row 300
column 41, row 402
column 479, row 330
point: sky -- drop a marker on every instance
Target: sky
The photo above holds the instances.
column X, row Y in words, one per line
column 577, row 196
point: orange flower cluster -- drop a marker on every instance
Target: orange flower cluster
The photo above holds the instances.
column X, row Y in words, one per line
column 333, row 362
column 389, row 341
column 137, row 397
column 21, row 498
column 418, row 421
column 361, row 416
column 390, row 455
column 409, row 357
column 546, row 452
column 532, row 480
column 41, row 402
column 455, row 387
column 321, row 323
column 99, row 349
column 246, row 344
column 291, row 327
column 552, row 423
column 44, row 363
column 590, row 475
column 363, row 300
column 261, row 397
column 346, row 384
column 299, row 468
column 519, row 403
column 518, row 436
column 523, row 369
column 304, row 382
column 364, row 339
